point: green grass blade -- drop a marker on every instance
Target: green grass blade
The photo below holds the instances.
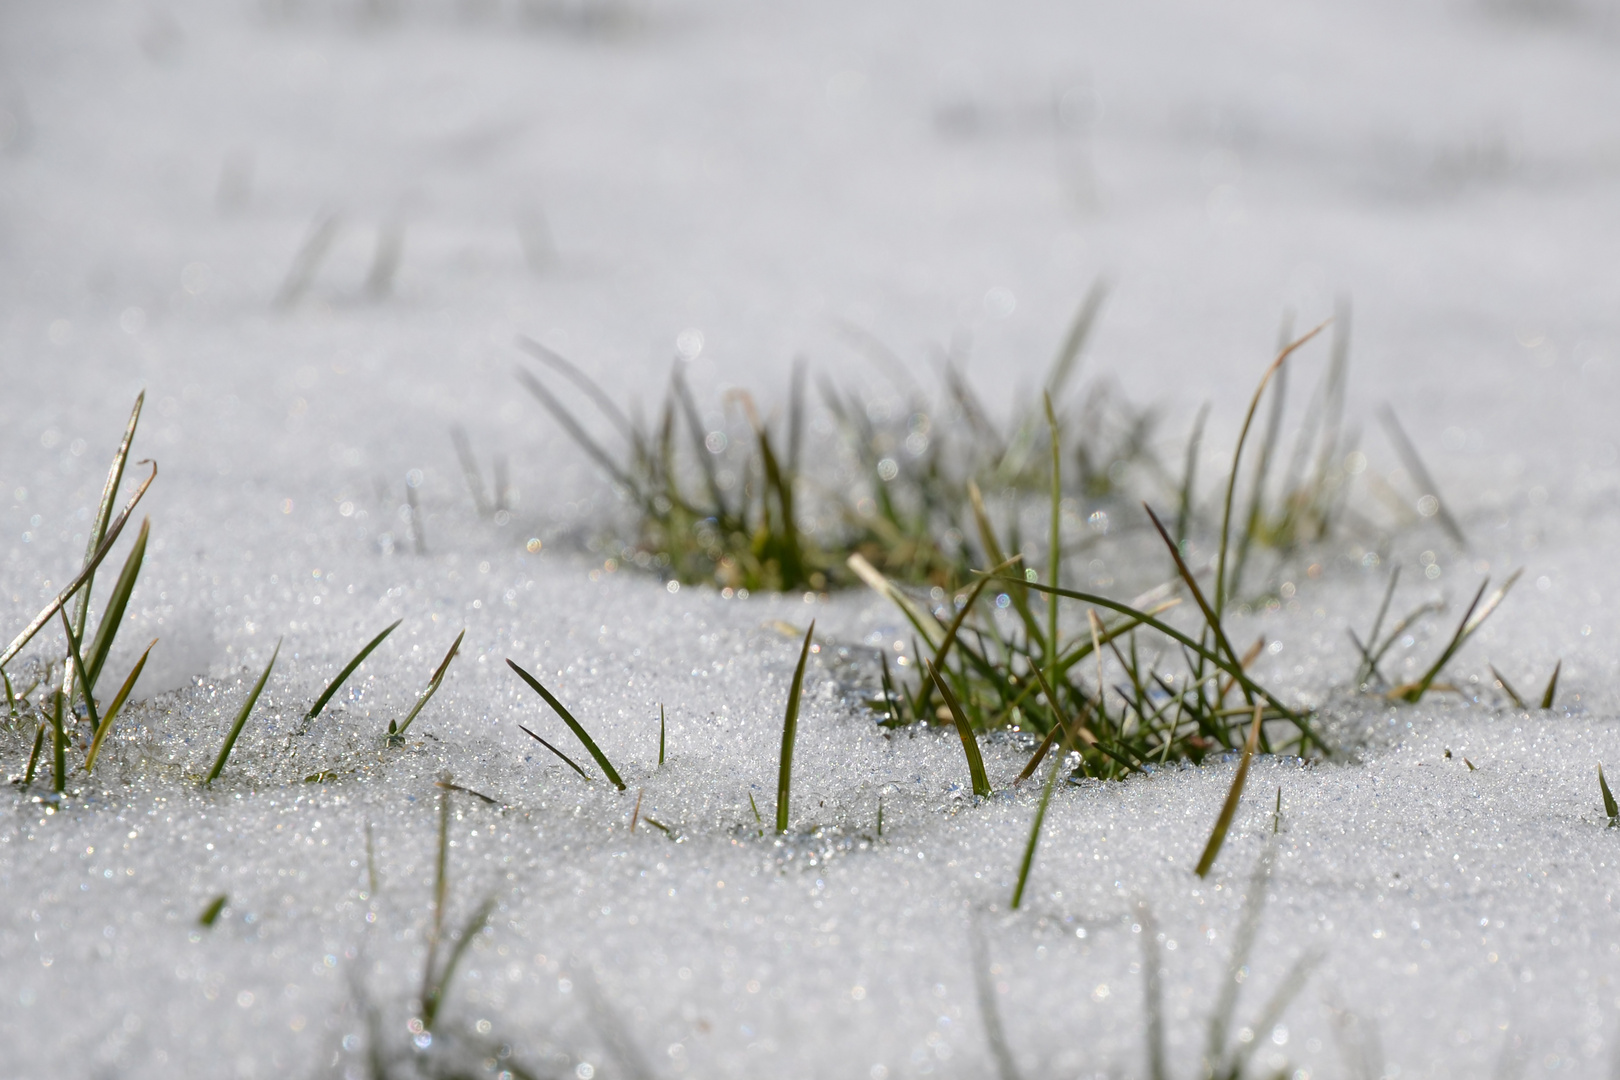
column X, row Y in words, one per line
column 1189, row 474
column 1369, row 662
column 1476, row 614
column 790, row 729
column 76, row 663
column 1217, row 835
column 1609, row 806
column 117, row 604
column 1507, row 687
column 570, row 762
column 970, row 744
column 79, row 579
column 1055, row 554
column 33, row 758
column 1211, row 615
column 604, row 404
column 210, row 913
column 1074, row 343
column 112, row 710
column 342, row 676
column 592, row 448
column 58, row 746
column 660, row 735
column 109, row 498
column 1237, row 456
column 573, row 725
column 1552, row 686
column 469, row 470
column 434, row 998
column 432, row 686
column 1035, row 832
column 241, row 717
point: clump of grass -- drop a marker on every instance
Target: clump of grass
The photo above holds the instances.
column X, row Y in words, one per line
column 790, row 729
column 736, row 534
column 348, row 669
column 1473, row 617
column 573, row 725
column 397, row 733
column 241, row 717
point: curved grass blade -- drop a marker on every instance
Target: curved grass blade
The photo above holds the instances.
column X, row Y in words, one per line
column 83, row 575
column 432, row 687
column 592, row 448
column 241, row 717
column 1609, row 806
column 1237, row 455
column 359, row 658
column 565, row 758
column 112, row 710
column 970, row 744
column 574, row 725
column 1552, row 686
column 1217, row 835
column 117, row 603
column 790, row 730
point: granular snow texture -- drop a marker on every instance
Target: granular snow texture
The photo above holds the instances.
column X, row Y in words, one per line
column 610, row 176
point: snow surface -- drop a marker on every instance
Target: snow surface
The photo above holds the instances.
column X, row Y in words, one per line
column 764, row 174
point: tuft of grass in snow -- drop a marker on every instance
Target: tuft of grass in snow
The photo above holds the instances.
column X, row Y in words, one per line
column 573, row 725
column 1476, row 614
column 241, row 717
column 790, row 729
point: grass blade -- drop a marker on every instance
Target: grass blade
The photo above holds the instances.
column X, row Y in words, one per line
column 76, row 663
column 58, row 746
column 592, row 448
column 1211, row 616
column 241, row 717
column 1609, row 806
column 117, row 604
column 1237, row 455
column 1189, row 475
column 970, row 744
column 109, row 497
column 1476, row 614
column 584, row 382
column 1035, row 832
column 432, row 686
column 1414, row 465
column 1152, row 993
column 1217, row 835
column 210, row 913
column 83, row 575
column 1068, row 356
column 1552, row 686
column 1507, row 687
column 307, row 262
column 790, row 729
column 1055, row 554
column 33, row 758
column 112, row 710
column 359, row 658
column 566, row 759
column 574, row 725
column 994, row 1034
column 660, row 735
column 441, row 985
column 469, row 470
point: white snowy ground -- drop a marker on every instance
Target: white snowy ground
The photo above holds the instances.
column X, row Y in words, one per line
column 763, row 173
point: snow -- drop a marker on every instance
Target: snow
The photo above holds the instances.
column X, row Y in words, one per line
column 766, row 174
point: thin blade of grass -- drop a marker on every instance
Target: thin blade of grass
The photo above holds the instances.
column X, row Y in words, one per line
column 241, row 717
column 565, row 758
column 432, row 686
column 112, row 710
column 1211, row 616
column 592, row 448
column 83, row 575
column 109, row 498
column 58, row 745
column 584, row 382
column 210, row 913
column 1369, row 667
column 117, row 604
column 1552, row 686
column 1035, row 832
column 1217, row 835
column 342, row 676
column 790, row 730
column 33, row 758
column 1507, row 687
column 1054, row 541
column 1152, row 994
column 573, row 725
column 1237, row 455
column 1074, row 342
column 1609, row 806
column 1414, row 465
column 76, row 662
column 925, row 623
column 660, row 735
column 1189, row 474
column 469, row 470
column 970, row 744
column 307, row 262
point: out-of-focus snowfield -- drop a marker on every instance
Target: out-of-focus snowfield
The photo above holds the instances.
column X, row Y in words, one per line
column 604, row 175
